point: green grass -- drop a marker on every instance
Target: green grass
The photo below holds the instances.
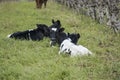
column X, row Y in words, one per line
column 33, row 60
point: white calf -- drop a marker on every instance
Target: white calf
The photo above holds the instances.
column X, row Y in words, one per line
column 68, row 47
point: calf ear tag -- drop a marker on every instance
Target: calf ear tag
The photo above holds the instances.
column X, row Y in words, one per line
column 54, row 29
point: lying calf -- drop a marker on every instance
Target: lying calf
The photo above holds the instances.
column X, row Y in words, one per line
column 74, row 50
column 57, row 34
column 34, row 34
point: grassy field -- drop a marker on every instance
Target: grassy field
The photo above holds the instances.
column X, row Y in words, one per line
column 36, row 60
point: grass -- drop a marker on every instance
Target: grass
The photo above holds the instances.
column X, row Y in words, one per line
column 36, row 60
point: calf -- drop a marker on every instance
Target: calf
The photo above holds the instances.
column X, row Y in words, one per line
column 34, row 34
column 53, row 30
column 57, row 35
column 39, row 3
column 74, row 50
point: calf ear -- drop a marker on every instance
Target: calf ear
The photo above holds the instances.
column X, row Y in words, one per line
column 58, row 21
column 68, row 34
column 78, row 35
column 61, row 29
column 53, row 21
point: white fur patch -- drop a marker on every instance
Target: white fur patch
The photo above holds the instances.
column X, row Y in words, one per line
column 54, row 29
column 29, row 33
column 68, row 47
column 9, row 36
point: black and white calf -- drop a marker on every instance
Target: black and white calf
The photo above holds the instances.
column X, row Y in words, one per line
column 67, row 47
column 33, row 34
column 57, row 35
column 53, row 30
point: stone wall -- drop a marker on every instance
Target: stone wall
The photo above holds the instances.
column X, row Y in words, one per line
column 103, row 11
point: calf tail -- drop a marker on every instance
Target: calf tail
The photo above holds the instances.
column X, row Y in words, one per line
column 8, row 36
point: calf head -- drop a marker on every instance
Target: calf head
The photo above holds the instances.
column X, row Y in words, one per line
column 74, row 37
column 54, row 28
column 44, row 28
column 56, row 24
